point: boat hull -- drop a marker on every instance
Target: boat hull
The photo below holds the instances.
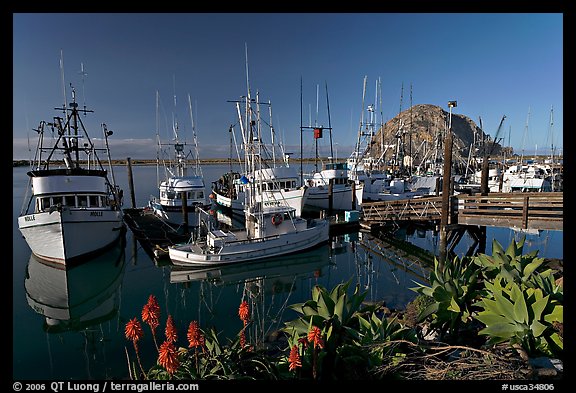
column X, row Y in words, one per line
column 60, row 236
column 174, row 215
column 318, row 198
column 235, row 251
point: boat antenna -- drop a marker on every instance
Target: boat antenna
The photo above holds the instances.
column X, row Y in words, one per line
column 247, row 77
column 174, row 116
column 83, row 73
column 62, row 77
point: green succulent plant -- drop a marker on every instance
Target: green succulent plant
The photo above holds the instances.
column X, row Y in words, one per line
column 454, row 290
column 522, row 316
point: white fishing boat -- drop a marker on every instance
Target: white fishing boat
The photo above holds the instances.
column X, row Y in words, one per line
column 271, row 229
column 329, row 188
column 182, row 187
column 279, row 187
column 73, row 209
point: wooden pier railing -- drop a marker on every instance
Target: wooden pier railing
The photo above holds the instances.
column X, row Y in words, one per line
column 542, row 210
column 538, row 210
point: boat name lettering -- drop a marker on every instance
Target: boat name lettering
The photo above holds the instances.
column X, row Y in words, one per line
column 30, row 218
column 274, row 203
column 96, row 213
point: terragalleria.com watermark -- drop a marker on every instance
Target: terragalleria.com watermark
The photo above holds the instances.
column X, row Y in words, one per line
column 101, row 387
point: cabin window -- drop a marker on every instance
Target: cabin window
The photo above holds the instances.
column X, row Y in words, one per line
column 70, row 200
column 93, row 199
column 56, row 200
column 82, row 200
column 200, row 195
column 44, row 203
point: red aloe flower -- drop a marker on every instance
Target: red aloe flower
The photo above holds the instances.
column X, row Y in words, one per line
column 242, row 338
column 315, row 336
column 170, row 331
column 168, row 357
column 294, row 359
column 133, row 330
column 154, row 306
column 151, row 316
column 244, row 312
column 195, row 336
column 303, row 341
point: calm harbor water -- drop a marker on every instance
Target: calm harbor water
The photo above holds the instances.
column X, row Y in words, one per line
column 69, row 325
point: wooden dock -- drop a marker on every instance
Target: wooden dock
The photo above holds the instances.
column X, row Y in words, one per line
column 539, row 211
column 153, row 233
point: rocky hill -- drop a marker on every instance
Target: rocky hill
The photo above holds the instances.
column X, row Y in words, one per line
column 421, row 129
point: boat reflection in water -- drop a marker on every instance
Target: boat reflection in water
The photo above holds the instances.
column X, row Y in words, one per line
column 212, row 295
column 78, row 299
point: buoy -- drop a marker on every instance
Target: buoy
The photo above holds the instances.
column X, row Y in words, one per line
column 277, row 219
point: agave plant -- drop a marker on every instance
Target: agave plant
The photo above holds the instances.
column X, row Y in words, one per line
column 352, row 335
column 512, row 265
column 521, row 315
column 454, row 289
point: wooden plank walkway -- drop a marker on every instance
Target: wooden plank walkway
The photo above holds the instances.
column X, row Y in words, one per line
column 542, row 210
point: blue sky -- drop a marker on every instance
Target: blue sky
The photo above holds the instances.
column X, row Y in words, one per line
column 491, row 64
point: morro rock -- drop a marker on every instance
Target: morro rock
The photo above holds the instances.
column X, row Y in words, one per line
column 419, row 132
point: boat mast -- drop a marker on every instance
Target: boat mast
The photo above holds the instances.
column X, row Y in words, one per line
column 410, row 135
column 158, row 141
column 301, row 131
column 552, row 146
column 197, row 167
column 272, row 134
column 316, row 125
column 381, row 127
column 329, row 121
column 524, row 138
column 360, row 131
